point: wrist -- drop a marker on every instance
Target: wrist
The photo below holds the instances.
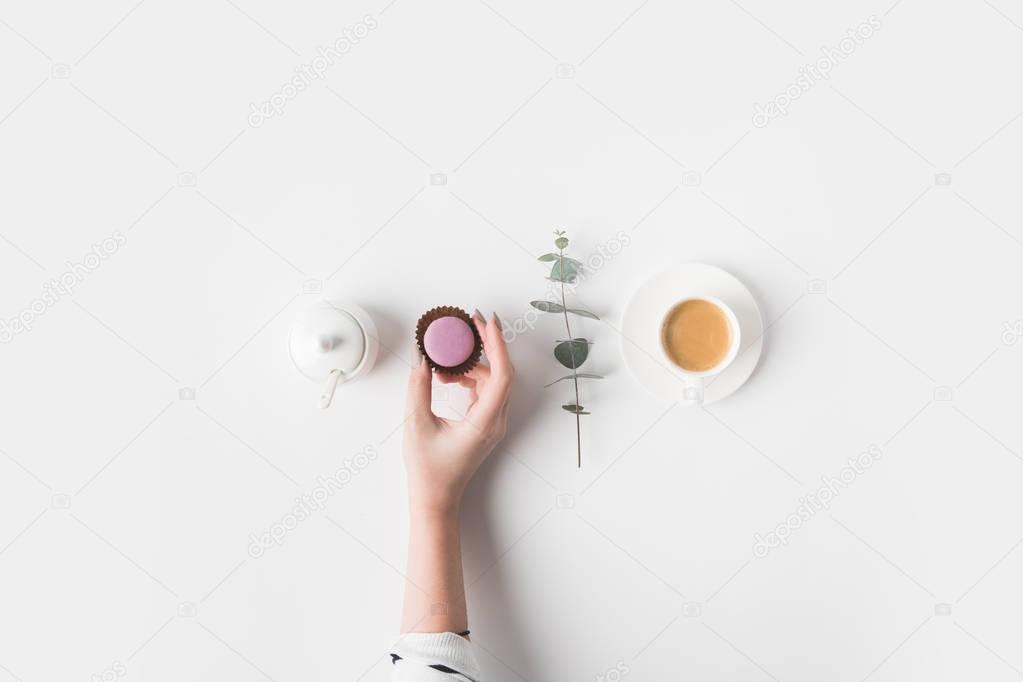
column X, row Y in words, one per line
column 435, row 512
column 433, row 501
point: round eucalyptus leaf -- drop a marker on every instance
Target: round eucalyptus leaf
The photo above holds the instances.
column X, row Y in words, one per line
column 572, row 354
column 564, row 271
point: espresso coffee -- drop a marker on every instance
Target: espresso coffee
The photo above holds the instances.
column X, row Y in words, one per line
column 696, row 335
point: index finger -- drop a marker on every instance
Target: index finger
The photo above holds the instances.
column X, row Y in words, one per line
column 494, row 392
column 495, row 347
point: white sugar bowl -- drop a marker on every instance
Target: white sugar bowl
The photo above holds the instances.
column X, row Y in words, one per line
column 333, row 343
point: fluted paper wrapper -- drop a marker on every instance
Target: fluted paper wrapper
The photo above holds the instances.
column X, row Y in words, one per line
column 449, row 311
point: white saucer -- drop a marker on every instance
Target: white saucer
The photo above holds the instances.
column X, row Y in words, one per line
column 641, row 328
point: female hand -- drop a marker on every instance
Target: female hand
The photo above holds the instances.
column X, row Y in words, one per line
column 441, row 455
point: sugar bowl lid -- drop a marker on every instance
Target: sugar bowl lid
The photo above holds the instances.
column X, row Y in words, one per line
column 326, row 337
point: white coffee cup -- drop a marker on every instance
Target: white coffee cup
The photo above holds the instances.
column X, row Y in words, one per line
column 693, row 382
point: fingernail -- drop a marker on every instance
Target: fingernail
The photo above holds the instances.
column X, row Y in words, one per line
column 498, row 321
column 478, row 315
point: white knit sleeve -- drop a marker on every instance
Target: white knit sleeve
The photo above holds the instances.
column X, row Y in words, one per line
column 434, row 657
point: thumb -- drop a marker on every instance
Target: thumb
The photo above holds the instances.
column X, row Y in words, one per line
column 420, row 392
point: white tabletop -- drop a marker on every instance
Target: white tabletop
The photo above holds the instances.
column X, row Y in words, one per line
column 152, row 423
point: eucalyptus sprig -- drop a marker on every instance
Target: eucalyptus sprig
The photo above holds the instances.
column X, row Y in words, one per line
column 573, row 351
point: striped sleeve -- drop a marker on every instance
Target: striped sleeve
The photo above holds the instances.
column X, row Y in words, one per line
column 433, row 657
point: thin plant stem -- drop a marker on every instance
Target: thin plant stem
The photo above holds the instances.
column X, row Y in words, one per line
column 575, row 378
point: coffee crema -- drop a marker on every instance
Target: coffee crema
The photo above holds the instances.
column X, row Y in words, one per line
column 696, row 335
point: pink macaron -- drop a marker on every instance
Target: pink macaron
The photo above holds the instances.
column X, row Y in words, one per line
column 449, row 340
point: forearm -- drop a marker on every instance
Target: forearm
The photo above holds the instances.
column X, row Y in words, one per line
column 434, row 589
